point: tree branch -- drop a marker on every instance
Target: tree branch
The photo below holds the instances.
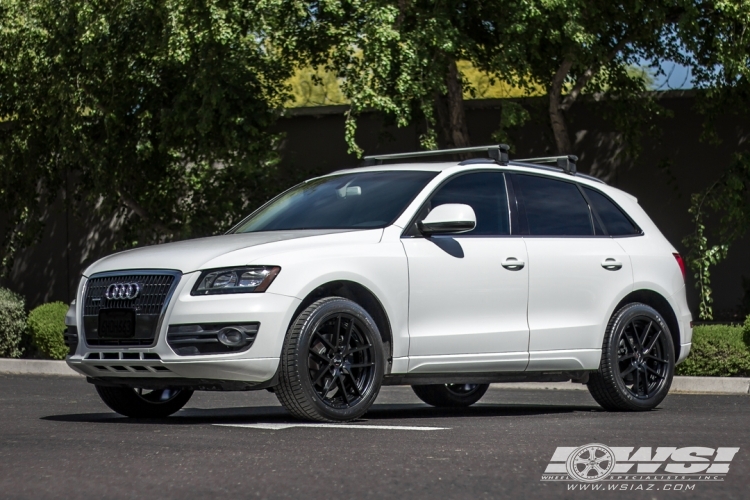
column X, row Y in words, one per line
column 141, row 212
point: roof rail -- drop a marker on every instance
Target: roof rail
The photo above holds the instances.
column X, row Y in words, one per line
column 498, row 152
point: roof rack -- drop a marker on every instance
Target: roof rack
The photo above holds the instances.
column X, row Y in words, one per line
column 567, row 163
column 497, row 152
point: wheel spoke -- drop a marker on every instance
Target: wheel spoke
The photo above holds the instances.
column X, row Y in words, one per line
column 637, row 384
column 638, row 341
column 629, row 342
column 338, row 329
column 626, row 357
column 324, row 340
column 360, row 348
column 645, row 333
column 320, row 356
column 628, row 370
column 653, row 342
column 348, row 337
column 321, row 373
column 342, row 388
column 645, row 383
column 354, row 384
column 664, row 361
column 654, row 372
column 361, row 365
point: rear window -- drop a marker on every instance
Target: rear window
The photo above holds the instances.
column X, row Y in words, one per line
column 552, row 208
column 614, row 219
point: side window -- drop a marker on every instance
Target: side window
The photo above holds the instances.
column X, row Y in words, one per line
column 612, row 216
column 552, row 207
column 485, row 193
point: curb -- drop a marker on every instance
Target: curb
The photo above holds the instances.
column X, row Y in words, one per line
column 36, row 367
column 680, row 385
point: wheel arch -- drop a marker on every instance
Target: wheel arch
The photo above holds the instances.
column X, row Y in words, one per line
column 662, row 306
column 361, row 295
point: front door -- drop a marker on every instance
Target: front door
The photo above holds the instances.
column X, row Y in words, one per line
column 468, row 292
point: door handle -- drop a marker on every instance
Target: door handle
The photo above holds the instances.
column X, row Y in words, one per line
column 611, row 264
column 513, row 264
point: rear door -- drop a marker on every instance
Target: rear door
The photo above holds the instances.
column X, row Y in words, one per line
column 468, row 292
column 576, row 273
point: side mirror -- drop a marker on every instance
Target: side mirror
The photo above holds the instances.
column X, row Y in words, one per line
column 451, row 218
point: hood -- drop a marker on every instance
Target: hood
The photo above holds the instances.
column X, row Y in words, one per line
column 191, row 255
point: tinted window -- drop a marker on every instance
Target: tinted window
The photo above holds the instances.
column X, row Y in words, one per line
column 615, row 221
column 485, row 193
column 351, row 201
column 553, row 208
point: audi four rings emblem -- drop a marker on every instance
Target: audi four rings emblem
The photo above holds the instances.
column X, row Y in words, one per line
column 123, row 291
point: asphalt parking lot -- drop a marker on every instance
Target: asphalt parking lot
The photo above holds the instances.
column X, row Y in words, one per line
column 57, row 440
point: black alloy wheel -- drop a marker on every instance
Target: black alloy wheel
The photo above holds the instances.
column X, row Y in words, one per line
column 637, row 361
column 450, row 395
column 332, row 362
column 144, row 403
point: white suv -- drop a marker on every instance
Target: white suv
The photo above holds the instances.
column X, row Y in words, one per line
column 442, row 276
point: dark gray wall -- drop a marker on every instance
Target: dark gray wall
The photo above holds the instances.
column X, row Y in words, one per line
column 314, row 144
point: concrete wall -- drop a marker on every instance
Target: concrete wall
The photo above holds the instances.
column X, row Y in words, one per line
column 314, row 144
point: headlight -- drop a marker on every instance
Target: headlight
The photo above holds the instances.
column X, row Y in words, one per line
column 235, row 280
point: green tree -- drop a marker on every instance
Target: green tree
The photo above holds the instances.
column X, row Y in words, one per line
column 401, row 57
column 156, row 112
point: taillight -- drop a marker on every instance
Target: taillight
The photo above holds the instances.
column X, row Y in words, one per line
column 681, row 263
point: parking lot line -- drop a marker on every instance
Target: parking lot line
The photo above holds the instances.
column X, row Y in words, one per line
column 278, row 427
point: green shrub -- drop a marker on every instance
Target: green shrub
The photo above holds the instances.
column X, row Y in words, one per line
column 12, row 323
column 719, row 351
column 47, row 324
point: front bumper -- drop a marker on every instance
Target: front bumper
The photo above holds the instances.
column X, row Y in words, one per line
column 256, row 365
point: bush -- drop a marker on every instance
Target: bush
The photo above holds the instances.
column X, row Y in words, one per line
column 12, row 323
column 719, row 351
column 47, row 324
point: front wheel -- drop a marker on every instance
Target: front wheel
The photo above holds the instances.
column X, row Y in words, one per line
column 450, row 395
column 637, row 362
column 142, row 403
column 331, row 363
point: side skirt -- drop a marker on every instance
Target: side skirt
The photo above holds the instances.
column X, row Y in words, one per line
column 580, row 377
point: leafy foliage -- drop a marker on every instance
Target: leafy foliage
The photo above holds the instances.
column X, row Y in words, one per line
column 718, row 46
column 719, row 351
column 728, row 199
column 153, row 112
column 12, row 323
column 46, row 326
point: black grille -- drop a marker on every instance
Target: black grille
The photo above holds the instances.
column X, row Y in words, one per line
column 155, row 289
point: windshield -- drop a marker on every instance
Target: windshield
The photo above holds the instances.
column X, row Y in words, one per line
column 351, row 201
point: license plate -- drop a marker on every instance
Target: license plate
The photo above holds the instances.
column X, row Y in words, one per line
column 117, row 323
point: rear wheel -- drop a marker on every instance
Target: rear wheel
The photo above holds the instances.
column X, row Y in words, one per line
column 143, row 403
column 331, row 363
column 637, row 362
column 450, row 395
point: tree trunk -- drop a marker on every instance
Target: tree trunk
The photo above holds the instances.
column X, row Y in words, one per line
column 556, row 117
column 452, row 131
column 459, row 132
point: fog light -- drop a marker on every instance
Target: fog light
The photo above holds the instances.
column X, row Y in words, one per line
column 231, row 336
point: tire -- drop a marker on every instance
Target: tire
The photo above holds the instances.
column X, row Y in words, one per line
column 332, row 362
column 637, row 363
column 450, row 395
column 136, row 403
